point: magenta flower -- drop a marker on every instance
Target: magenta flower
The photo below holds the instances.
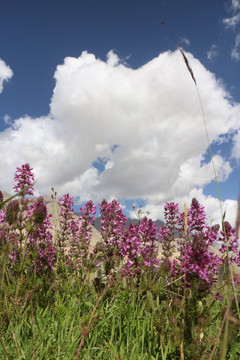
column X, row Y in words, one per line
column 75, row 233
column 196, row 217
column 82, row 232
column 170, row 230
column 113, row 221
column 198, row 260
column 66, row 203
column 24, row 179
column 139, row 247
column 68, row 227
column 230, row 242
column 2, row 216
column 40, row 241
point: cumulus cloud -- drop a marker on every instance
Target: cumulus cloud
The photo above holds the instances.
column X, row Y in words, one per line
column 213, row 209
column 5, row 73
column 232, row 22
column 144, row 127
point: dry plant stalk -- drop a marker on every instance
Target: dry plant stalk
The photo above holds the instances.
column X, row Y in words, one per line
column 188, row 66
column 15, row 340
column 219, row 333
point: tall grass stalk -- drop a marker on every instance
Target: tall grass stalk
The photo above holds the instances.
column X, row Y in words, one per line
column 229, row 266
column 205, row 126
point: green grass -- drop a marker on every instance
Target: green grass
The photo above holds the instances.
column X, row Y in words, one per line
column 47, row 320
column 89, row 313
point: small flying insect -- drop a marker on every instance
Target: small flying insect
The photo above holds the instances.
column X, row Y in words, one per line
column 162, row 22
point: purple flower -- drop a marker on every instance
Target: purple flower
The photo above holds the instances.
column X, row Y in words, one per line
column 230, row 242
column 2, row 216
column 195, row 258
column 139, row 247
column 196, row 217
column 198, row 260
column 113, row 221
column 82, row 234
column 68, row 225
column 24, row 178
column 40, row 242
column 171, row 229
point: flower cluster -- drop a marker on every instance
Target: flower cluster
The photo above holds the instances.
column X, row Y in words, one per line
column 82, row 232
column 68, row 226
column 112, row 224
column 170, row 229
column 196, row 258
column 24, row 179
column 229, row 243
column 45, row 248
column 75, row 233
column 139, row 247
column 26, row 225
column 39, row 211
column 196, row 217
column 40, row 240
column 12, row 210
column 134, row 245
column 2, row 216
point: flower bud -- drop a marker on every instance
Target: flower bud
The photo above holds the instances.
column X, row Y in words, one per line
column 40, row 211
column 12, row 211
column 1, row 197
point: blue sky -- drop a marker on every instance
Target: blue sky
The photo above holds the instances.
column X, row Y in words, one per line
column 96, row 97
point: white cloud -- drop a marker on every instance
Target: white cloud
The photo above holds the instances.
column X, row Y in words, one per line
column 112, row 58
column 231, row 23
column 235, row 54
column 211, row 205
column 5, row 73
column 235, row 4
column 185, row 41
column 192, row 173
column 146, row 124
column 213, row 52
column 236, row 146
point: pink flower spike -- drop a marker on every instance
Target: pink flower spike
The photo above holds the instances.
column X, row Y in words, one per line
column 24, row 178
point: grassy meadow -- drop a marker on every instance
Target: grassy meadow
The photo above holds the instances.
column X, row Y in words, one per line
column 63, row 299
